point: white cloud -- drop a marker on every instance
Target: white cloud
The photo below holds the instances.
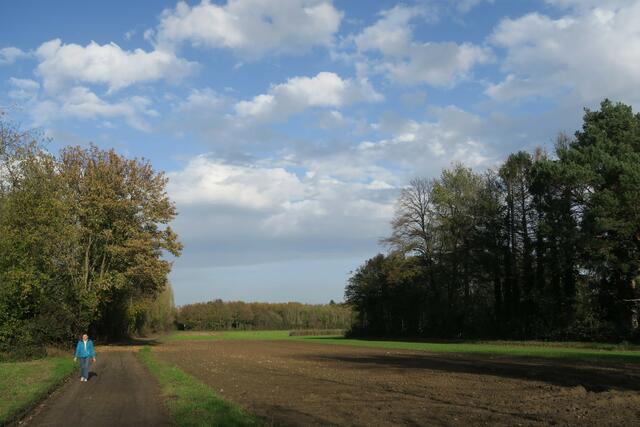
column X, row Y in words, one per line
column 129, row 34
column 591, row 53
column 408, row 61
column 202, row 100
column 9, row 55
column 379, row 185
column 392, row 33
column 84, row 103
column 64, row 65
column 80, row 102
column 454, row 135
column 587, row 4
column 333, row 119
column 413, row 148
column 465, row 6
column 298, row 93
column 512, row 88
column 23, row 89
column 236, row 130
column 67, row 71
column 268, row 203
column 307, row 199
column 251, row 28
column 438, row 64
column 220, row 184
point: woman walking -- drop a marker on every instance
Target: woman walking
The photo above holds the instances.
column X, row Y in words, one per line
column 84, row 352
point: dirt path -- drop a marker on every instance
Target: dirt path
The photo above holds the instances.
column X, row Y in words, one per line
column 120, row 392
column 296, row 383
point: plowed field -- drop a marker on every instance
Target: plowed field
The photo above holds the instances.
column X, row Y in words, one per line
column 300, row 383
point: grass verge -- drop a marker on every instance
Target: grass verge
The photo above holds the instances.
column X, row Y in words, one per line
column 597, row 352
column 23, row 384
column 190, row 402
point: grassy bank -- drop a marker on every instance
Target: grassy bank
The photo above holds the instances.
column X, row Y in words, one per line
column 190, row 402
column 23, row 384
column 581, row 351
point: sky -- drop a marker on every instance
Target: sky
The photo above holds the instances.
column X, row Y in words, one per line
column 288, row 127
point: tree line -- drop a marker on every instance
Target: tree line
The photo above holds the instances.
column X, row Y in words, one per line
column 82, row 238
column 545, row 246
column 220, row 315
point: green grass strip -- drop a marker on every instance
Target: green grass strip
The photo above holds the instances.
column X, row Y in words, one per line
column 597, row 352
column 23, row 384
column 190, row 402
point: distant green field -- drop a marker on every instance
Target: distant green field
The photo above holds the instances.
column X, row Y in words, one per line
column 229, row 335
column 582, row 351
column 24, row 383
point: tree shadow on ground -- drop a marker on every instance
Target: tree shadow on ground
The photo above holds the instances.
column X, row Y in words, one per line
column 137, row 341
column 559, row 373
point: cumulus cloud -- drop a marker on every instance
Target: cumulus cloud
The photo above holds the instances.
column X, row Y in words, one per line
column 23, row 89
column 206, row 100
column 238, row 213
column 391, row 34
column 512, row 88
column 298, row 93
column 408, row 61
column 437, row 64
column 303, row 201
column 68, row 72
column 588, row 54
column 300, row 201
column 63, row 65
column 80, row 102
column 209, row 116
column 251, row 28
column 245, row 187
column 425, row 147
column 333, row 119
column 414, row 147
column 244, row 130
column 10, row 54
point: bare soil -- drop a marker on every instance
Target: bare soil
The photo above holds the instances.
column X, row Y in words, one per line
column 298, row 383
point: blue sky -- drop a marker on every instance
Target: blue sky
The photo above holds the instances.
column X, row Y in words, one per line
column 287, row 127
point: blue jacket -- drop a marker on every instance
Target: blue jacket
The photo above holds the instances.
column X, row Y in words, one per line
column 81, row 352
